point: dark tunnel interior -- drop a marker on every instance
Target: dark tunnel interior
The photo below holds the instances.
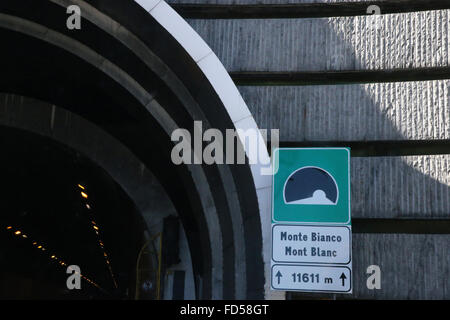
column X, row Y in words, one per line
column 58, row 208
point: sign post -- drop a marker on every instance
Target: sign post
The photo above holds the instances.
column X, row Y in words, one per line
column 311, row 220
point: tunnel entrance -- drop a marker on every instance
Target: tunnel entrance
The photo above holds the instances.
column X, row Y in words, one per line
column 57, row 208
column 133, row 80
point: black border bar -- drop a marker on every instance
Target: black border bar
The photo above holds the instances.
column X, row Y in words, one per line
column 381, row 148
column 288, row 78
column 401, row 226
column 304, row 10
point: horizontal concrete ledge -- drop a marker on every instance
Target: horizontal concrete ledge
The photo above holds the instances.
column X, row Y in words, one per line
column 263, row 78
column 384, row 42
column 404, row 226
column 379, row 148
column 304, row 10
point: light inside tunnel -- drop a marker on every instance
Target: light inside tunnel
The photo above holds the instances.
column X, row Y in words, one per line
column 42, row 238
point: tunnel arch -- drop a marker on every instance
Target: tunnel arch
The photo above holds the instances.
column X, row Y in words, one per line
column 115, row 73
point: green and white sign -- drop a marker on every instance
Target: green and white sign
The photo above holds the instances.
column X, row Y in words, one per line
column 311, row 220
column 312, row 186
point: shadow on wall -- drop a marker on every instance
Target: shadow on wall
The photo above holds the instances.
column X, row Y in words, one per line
column 382, row 187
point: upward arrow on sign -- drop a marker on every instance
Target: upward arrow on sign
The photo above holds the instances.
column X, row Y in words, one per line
column 343, row 277
column 278, row 275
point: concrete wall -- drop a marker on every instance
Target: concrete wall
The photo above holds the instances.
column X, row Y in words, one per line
column 403, row 40
column 413, row 266
column 354, row 112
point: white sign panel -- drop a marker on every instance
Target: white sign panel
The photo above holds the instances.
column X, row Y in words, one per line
column 311, row 244
column 311, row 278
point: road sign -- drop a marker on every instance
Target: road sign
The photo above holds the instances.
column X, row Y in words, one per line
column 311, row 278
column 311, row 244
column 311, row 220
column 312, row 186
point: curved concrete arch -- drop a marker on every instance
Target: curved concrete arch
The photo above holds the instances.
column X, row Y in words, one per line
column 241, row 232
column 232, row 100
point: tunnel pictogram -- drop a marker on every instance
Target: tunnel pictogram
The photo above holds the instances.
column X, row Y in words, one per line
column 311, row 186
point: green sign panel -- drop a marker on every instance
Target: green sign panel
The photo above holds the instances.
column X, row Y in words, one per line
column 311, row 185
